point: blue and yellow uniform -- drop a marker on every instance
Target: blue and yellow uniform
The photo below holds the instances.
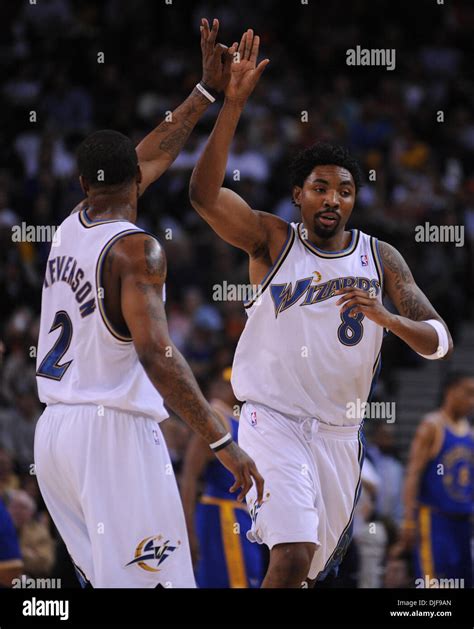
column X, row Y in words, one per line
column 10, row 556
column 227, row 558
column 445, row 511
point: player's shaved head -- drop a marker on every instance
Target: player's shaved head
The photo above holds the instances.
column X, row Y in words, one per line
column 107, row 158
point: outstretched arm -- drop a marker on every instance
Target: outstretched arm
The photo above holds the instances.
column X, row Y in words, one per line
column 158, row 150
column 412, row 304
column 225, row 211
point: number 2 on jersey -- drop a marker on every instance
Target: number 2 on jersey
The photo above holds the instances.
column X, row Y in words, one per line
column 50, row 367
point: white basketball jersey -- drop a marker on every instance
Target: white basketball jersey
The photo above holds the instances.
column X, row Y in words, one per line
column 81, row 358
column 297, row 354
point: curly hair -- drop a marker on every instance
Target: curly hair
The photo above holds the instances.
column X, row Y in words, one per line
column 323, row 154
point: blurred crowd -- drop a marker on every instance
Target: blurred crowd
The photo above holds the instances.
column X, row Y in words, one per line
column 55, row 90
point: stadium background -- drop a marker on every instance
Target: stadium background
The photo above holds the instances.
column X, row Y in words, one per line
column 424, row 168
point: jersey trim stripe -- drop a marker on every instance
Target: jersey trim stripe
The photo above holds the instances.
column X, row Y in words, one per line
column 375, row 374
column 330, row 254
column 98, row 278
column 285, row 250
column 360, row 460
column 88, row 222
column 424, row 515
column 374, row 245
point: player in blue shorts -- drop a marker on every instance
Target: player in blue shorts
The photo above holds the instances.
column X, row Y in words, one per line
column 217, row 524
column 439, row 489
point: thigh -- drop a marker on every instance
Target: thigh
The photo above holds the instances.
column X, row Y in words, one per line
column 133, row 508
column 57, row 487
column 288, row 513
column 338, row 463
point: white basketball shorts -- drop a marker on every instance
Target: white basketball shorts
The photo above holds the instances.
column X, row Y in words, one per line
column 107, row 481
column 312, row 480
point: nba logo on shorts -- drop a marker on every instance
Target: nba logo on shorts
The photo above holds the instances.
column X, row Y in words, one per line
column 364, row 259
column 156, row 437
column 253, row 418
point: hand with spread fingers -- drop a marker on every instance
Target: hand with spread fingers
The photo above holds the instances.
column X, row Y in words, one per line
column 216, row 60
column 245, row 73
column 358, row 301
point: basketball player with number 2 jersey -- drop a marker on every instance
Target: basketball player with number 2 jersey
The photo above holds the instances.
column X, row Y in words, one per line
column 106, row 367
column 310, row 349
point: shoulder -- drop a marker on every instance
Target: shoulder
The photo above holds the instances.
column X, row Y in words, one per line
column 277, row 232
column 392, row 259
column 431, row 425
column 139, row 250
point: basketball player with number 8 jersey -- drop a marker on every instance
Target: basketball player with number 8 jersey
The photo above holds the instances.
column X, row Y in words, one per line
column 310, row 350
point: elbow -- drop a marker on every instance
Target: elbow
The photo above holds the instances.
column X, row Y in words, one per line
column 195, row 198
column 450, row 351
column 199, row 198
column 449, row 340
column 153, row 356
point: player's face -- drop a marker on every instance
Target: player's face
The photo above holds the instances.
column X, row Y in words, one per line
column 326, row 200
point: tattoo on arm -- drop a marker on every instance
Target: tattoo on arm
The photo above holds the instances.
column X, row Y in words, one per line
column 170, row 373
column 182, row 395
column 402, row 289
column 176, row 132
column 154, row 259
column 155, row 262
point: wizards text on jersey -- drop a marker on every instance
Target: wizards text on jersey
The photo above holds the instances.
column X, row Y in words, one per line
column 284, row 296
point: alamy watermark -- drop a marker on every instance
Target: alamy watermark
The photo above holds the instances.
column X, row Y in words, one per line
column 440, row 233
column 359, row 56
column 28, row 582
column 36, row 233
column 371, row 410
column 427, row 582
column 236, row 292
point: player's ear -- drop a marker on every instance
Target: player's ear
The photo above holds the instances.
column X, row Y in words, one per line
column 84, row 185
column 297, row 192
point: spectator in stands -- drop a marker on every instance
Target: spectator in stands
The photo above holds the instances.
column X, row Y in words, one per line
column 36, row 543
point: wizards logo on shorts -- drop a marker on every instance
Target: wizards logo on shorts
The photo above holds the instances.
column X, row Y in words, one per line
column 256, row 506
column 151, row 552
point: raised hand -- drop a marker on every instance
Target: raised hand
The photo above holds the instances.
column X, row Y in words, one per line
column 244, row 71
column 215, row 58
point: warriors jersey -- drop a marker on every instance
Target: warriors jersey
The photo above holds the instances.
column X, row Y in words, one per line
column 448, row 480
column 82, row 358
column 297, row 354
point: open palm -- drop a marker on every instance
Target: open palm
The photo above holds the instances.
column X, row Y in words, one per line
column 245, row 72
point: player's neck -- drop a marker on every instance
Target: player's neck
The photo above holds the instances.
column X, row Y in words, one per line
column 111, row 207
column 450, row 417
column 338, row 242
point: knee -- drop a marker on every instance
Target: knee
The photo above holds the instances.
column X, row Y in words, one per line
column 290, row 563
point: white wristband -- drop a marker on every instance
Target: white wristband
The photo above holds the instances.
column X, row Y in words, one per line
column 221, row 443
column 443, row 343
column 205, row 93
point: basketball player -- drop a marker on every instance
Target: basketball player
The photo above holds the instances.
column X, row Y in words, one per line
column 223, row 555
column 106, row 367
column 311, row 345
column 439, row 487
